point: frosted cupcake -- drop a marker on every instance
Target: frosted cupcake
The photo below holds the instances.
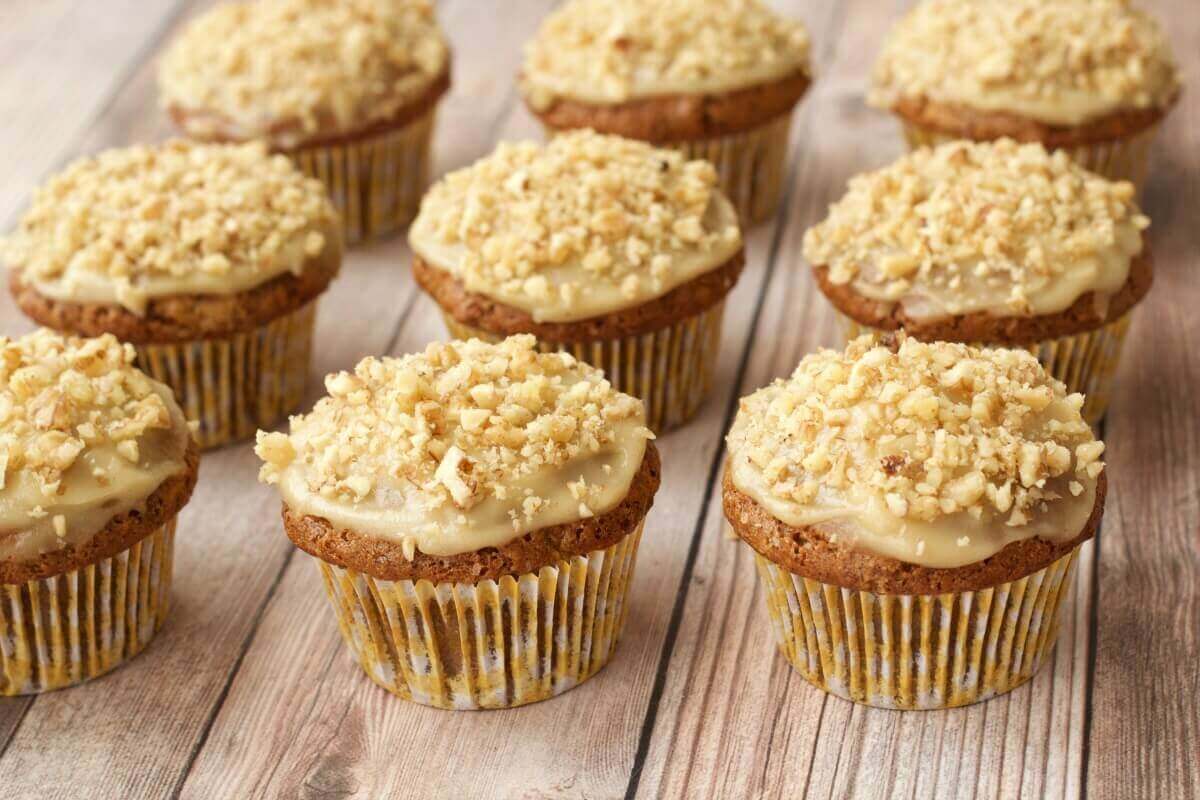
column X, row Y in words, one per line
column 475, row 511
column 994, row 244
column 1092, row 77
column 715, row 79
column 347, row 89
column 915, row 512
column 612, row 250
column 95, row 463
column 208, row 258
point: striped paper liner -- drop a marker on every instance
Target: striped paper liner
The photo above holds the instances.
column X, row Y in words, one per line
column 1086, row 362
column 493, row 644
column 917, row 651
column 670, row 369
column 235, row 386
column 375, row 182
column 69, row 628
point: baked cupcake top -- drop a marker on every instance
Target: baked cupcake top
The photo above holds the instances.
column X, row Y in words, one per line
column 464, row 446
column 934, row 454
column 181, row 218
column 84, row 436
column 1061, row 62
column 612, row 51
column 992, row 227
column 577, row 228
column 295, row 70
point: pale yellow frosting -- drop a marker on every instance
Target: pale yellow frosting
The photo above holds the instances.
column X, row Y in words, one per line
column 933, row 454
column 181, row 218
column 464, row 446
column 293, row 70
column 580, row 227
column 84, row 436
column 611, row 51
column 994, row 227
column 1062, row 62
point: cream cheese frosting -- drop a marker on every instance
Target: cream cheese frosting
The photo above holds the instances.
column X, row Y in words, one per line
column 181, row 218
column 612, row 51
column 293, row 70
column 993, row 227
column 1061, row 62
column 84, row 436
column 464, row 446
column 934, row 454
column 583, row 226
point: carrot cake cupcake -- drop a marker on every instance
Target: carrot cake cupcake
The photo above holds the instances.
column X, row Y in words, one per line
column 208, row 258
column 993, row 243
column 347, row 88
column 610, row 249
column 915, row 511
column 715, row 79
column 1092, row 77
column 95, row 463
column 475, row 511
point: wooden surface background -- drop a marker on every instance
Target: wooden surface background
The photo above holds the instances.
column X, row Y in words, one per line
column 248, row 691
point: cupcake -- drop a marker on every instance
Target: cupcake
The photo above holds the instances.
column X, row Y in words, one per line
column 95, row 463
column 475, row 512
column 208, row 258
column 612, row 250
column 915, row 511
column 1091, row 77
column 714, row 79
column 348, row 89
column 993, row 243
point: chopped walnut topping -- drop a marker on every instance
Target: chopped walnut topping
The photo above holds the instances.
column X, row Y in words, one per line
column 462, row 422
column 617, row 49
column 989, row 217
column 929, row 430
column 299, row 68
column 176, row 212
column 1101, row 54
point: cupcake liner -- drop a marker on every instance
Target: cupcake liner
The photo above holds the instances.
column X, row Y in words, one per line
column 1120, row 159
column 670, row 369
column 750, row 165
column 69, row 628
column 917, row 651
column 236, row 385
column 1086, row 362
column 376, row 182
column 493, row 644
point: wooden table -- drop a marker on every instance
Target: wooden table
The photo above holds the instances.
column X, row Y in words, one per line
column 248, row 691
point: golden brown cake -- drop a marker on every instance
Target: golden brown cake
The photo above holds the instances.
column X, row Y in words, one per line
column 933, row 496
column 715, row 79
column 96, row 460
column 502, row 480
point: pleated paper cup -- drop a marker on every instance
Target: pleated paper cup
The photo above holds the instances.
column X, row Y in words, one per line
column 492, row 644
column 1125, row 159
column 375, row 182
column 670, row 369
column 65, row 629
column 917, row 651
column 1086, row 362
column 236, row 385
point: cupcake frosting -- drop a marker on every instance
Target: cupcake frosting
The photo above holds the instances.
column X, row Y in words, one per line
column 933, row 454
column 84, row 436
column 181, row 218
column 999, row 228
column 1061, row 62
column 612, row 51
column 464, row 446
column 580, row 227
column 293, row 70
